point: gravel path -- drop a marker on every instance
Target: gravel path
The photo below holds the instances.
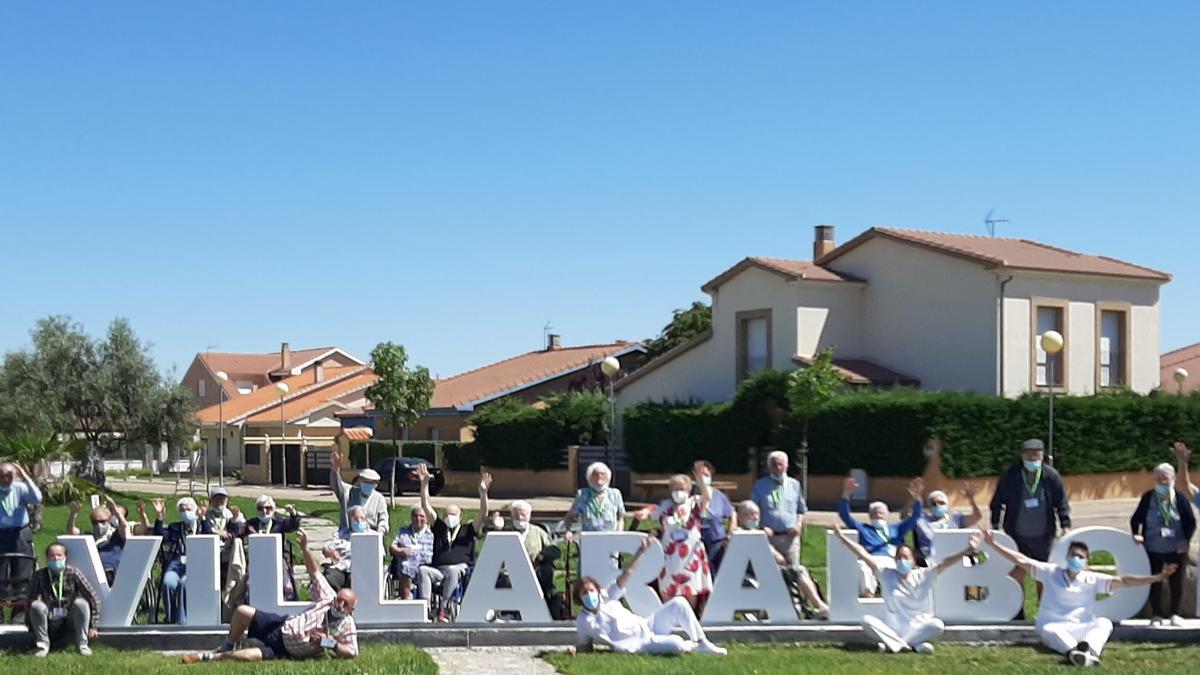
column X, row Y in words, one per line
column 488, row 660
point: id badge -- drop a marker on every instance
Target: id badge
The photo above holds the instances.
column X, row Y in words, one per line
column 183, row 560
column 328, row 642
column 58, row 614
column 1167, row 533
column 1031, row 503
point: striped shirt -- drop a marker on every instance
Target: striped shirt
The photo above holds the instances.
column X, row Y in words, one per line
column 299, row 629
column 45, row 586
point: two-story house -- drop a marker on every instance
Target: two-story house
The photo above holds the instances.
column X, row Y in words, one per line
column 938, row 310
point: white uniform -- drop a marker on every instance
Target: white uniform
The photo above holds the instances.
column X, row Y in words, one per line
column 614, row 625
column 909, row 601
column 1067, row 615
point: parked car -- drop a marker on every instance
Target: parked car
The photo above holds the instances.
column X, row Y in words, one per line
column 406, row 475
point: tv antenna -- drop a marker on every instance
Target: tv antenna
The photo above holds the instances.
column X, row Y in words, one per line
column 546, row 332
column 990, row 222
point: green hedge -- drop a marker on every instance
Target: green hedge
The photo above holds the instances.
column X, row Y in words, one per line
column 515, row 435
column 885, row 433
column 381, row 449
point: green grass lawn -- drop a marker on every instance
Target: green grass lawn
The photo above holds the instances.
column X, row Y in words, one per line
column 397, row 659
column 824, row 658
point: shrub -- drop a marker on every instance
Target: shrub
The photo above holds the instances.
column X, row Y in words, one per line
column 515, row 435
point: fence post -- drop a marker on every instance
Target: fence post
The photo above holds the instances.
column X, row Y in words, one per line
column 439, row 455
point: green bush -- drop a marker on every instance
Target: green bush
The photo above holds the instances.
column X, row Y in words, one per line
column 515, row 435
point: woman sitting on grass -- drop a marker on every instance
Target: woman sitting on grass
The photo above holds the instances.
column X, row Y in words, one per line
column 604, row 619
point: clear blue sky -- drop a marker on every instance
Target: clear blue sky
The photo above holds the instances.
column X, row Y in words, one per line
column 451, row 176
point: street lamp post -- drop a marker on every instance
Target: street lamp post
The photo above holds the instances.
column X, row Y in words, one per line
column 222, row 378
column 1052, row 344
column 282, row 388
column 610, row 366
column 1181, row 376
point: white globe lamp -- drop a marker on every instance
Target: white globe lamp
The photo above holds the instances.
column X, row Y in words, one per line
column 1052, row 342
column 610, row 366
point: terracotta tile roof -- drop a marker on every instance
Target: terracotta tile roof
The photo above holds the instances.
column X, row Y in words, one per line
column 520, row 372
column 358, row 433
column 252, row 366
column 792, row 270
column 316, row 397
column 863, row 372
column 1016, row 254
column 1187, row 358
column 299, row 386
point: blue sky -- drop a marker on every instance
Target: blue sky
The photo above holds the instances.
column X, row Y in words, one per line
column 451, row 176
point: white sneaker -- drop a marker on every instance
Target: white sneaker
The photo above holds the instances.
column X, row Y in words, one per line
column 924, row 648
column 1090, row 660
column 707, row 647
column 881, row 648
column 1177, row 621
column 1077, row 657
column 85, row 650
column 1155, row 621
column 42, row 650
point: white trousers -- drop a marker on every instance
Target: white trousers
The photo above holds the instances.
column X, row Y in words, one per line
column 676, row 613
column 867, row 583
column 1063, row 636
column 903, row 635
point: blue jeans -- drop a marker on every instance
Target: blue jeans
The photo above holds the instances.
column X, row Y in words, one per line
column 173, row 592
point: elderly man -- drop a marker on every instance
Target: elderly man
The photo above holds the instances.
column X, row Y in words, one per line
column 1164, row 524
column 453, row 543
column 781, row 504
column 17, row 493
column 1067, row 621
column 337, row 550
column 599, row 507
column 542, row 554
column 62, row 601
column 412, row 549
column 327, row 625
column 108, row 528
column 1029, row 499
column 225, row 522
column 175, row 536
column 797, row 577
column 363, row 494
column 878, row 536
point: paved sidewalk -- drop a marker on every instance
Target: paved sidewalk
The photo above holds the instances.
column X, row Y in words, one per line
column 488, row 660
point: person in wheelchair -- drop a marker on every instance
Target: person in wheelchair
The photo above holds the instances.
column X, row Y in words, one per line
column 542, row 554
column 453, row 543
column 799, row 582
column 174, row 538
column 62, row 601
column 268, row 521
column 109, row 529
column 337, row 550
column 18, row 492
column 412, row 549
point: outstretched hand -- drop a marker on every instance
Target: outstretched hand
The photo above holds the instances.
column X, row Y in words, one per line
column 335, row 459
column 303, row 536
column 1182, row 451
column 1168, row 570
column 423, row 473
column 916, row 487
column 485, row 481
column 848, row 487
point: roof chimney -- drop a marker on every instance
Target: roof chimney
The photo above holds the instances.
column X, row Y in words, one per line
column 822, row 241
column 318, row 374
column 553, row 341
column 285, row 357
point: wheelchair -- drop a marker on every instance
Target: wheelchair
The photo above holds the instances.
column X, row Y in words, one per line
column 392, row 585
column 14, row 590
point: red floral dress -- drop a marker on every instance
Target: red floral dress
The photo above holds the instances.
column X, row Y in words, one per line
column 686, row 571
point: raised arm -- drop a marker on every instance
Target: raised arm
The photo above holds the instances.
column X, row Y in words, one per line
column 72, row 516
column 1127, row 580
column 340, row 488
column 33, row 495
column 1015, row 557
column 848, row 487
column 705, row 489
column 426, row 504
column 310, row 560
column 857, row 550
column 485, row 483
column 623, row 580
column 976, row 513
column 915, row 489
column 996, row 507
column 1183, row 455
column 115, row 513
column 956, row 559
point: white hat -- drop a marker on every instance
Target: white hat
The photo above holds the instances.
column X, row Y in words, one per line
column 369, row 474
column 1033, row 444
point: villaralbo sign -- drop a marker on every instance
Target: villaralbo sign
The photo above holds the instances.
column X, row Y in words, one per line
column 747, row 552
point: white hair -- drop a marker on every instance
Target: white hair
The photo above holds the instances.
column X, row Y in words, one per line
column 780, row 454
column 185, row 501
column 876, row 505
column 417, row 508
column 598, row 466
column 936, row 494
column 356, row 510
column 264, row 500
column 748, row 506
column 1166, row 470
column 520, row 504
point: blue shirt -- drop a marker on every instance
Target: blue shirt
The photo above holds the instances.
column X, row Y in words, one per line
column 21, row 495
column 927, row 525
column 778, row 502
column 599, row 511
column 712, row 521
column 872, row 539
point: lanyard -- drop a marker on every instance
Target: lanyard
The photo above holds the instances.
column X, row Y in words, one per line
column 1164, row 509
column 777, row 495
column 1032, row 488
column 58, row 592
column 596, row 505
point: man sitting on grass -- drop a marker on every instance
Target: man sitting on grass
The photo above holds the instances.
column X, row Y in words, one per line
column 62, row 601
column 1067, row 621
column 327, row 624
column 604, row 619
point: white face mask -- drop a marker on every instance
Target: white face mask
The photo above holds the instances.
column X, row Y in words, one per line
column 879, row 523
column 598, row 485
column 520, row 525
column 452, row 520
column 498, row 523
column 707, row 480
column 679, row 496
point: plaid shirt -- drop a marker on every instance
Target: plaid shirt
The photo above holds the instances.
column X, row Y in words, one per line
column 299, row 629
column 43, row 587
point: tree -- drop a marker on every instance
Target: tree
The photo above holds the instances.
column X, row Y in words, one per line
column 685, row 325
column 400, row 393
column 810, row 389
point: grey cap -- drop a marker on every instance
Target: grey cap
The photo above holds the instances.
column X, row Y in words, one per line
column 1033, row 444
column 219, row 492
column 369, row 474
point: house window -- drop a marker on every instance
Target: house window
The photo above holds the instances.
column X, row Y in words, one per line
column 434, row 433
column 253, row 453
column 201, row 388
column 753, row 342
column 1112, row 348
column 1049, row 318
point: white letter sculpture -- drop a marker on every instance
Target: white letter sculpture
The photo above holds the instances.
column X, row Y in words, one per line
column 1124, row 603
column 119, row 603
column 366, row 556
column 503, row 550
column 844, row 604
column 598, row 552
column 750, row 551
column 203, row 580
column 266, row 576
column 1004, row 595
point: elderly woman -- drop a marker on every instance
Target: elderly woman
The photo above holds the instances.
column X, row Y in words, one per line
column 268, row 521
column 599, row 507
column 717, row 521
column 797, row 576
column 175, row 572
column 686, row 571
column 337, row 550
column 1164, row 524
column 940, row 517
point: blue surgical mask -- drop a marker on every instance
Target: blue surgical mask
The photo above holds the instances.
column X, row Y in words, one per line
column 1032, row 464
column 56, row 565
column 751, row 524
column 1076, row 564
column 1162, row 489
column 367, row 488
column 591, row 600
column 358, row 526
column 336, row 614
column 188, row 517
column 940, row 510
column 904, row 566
